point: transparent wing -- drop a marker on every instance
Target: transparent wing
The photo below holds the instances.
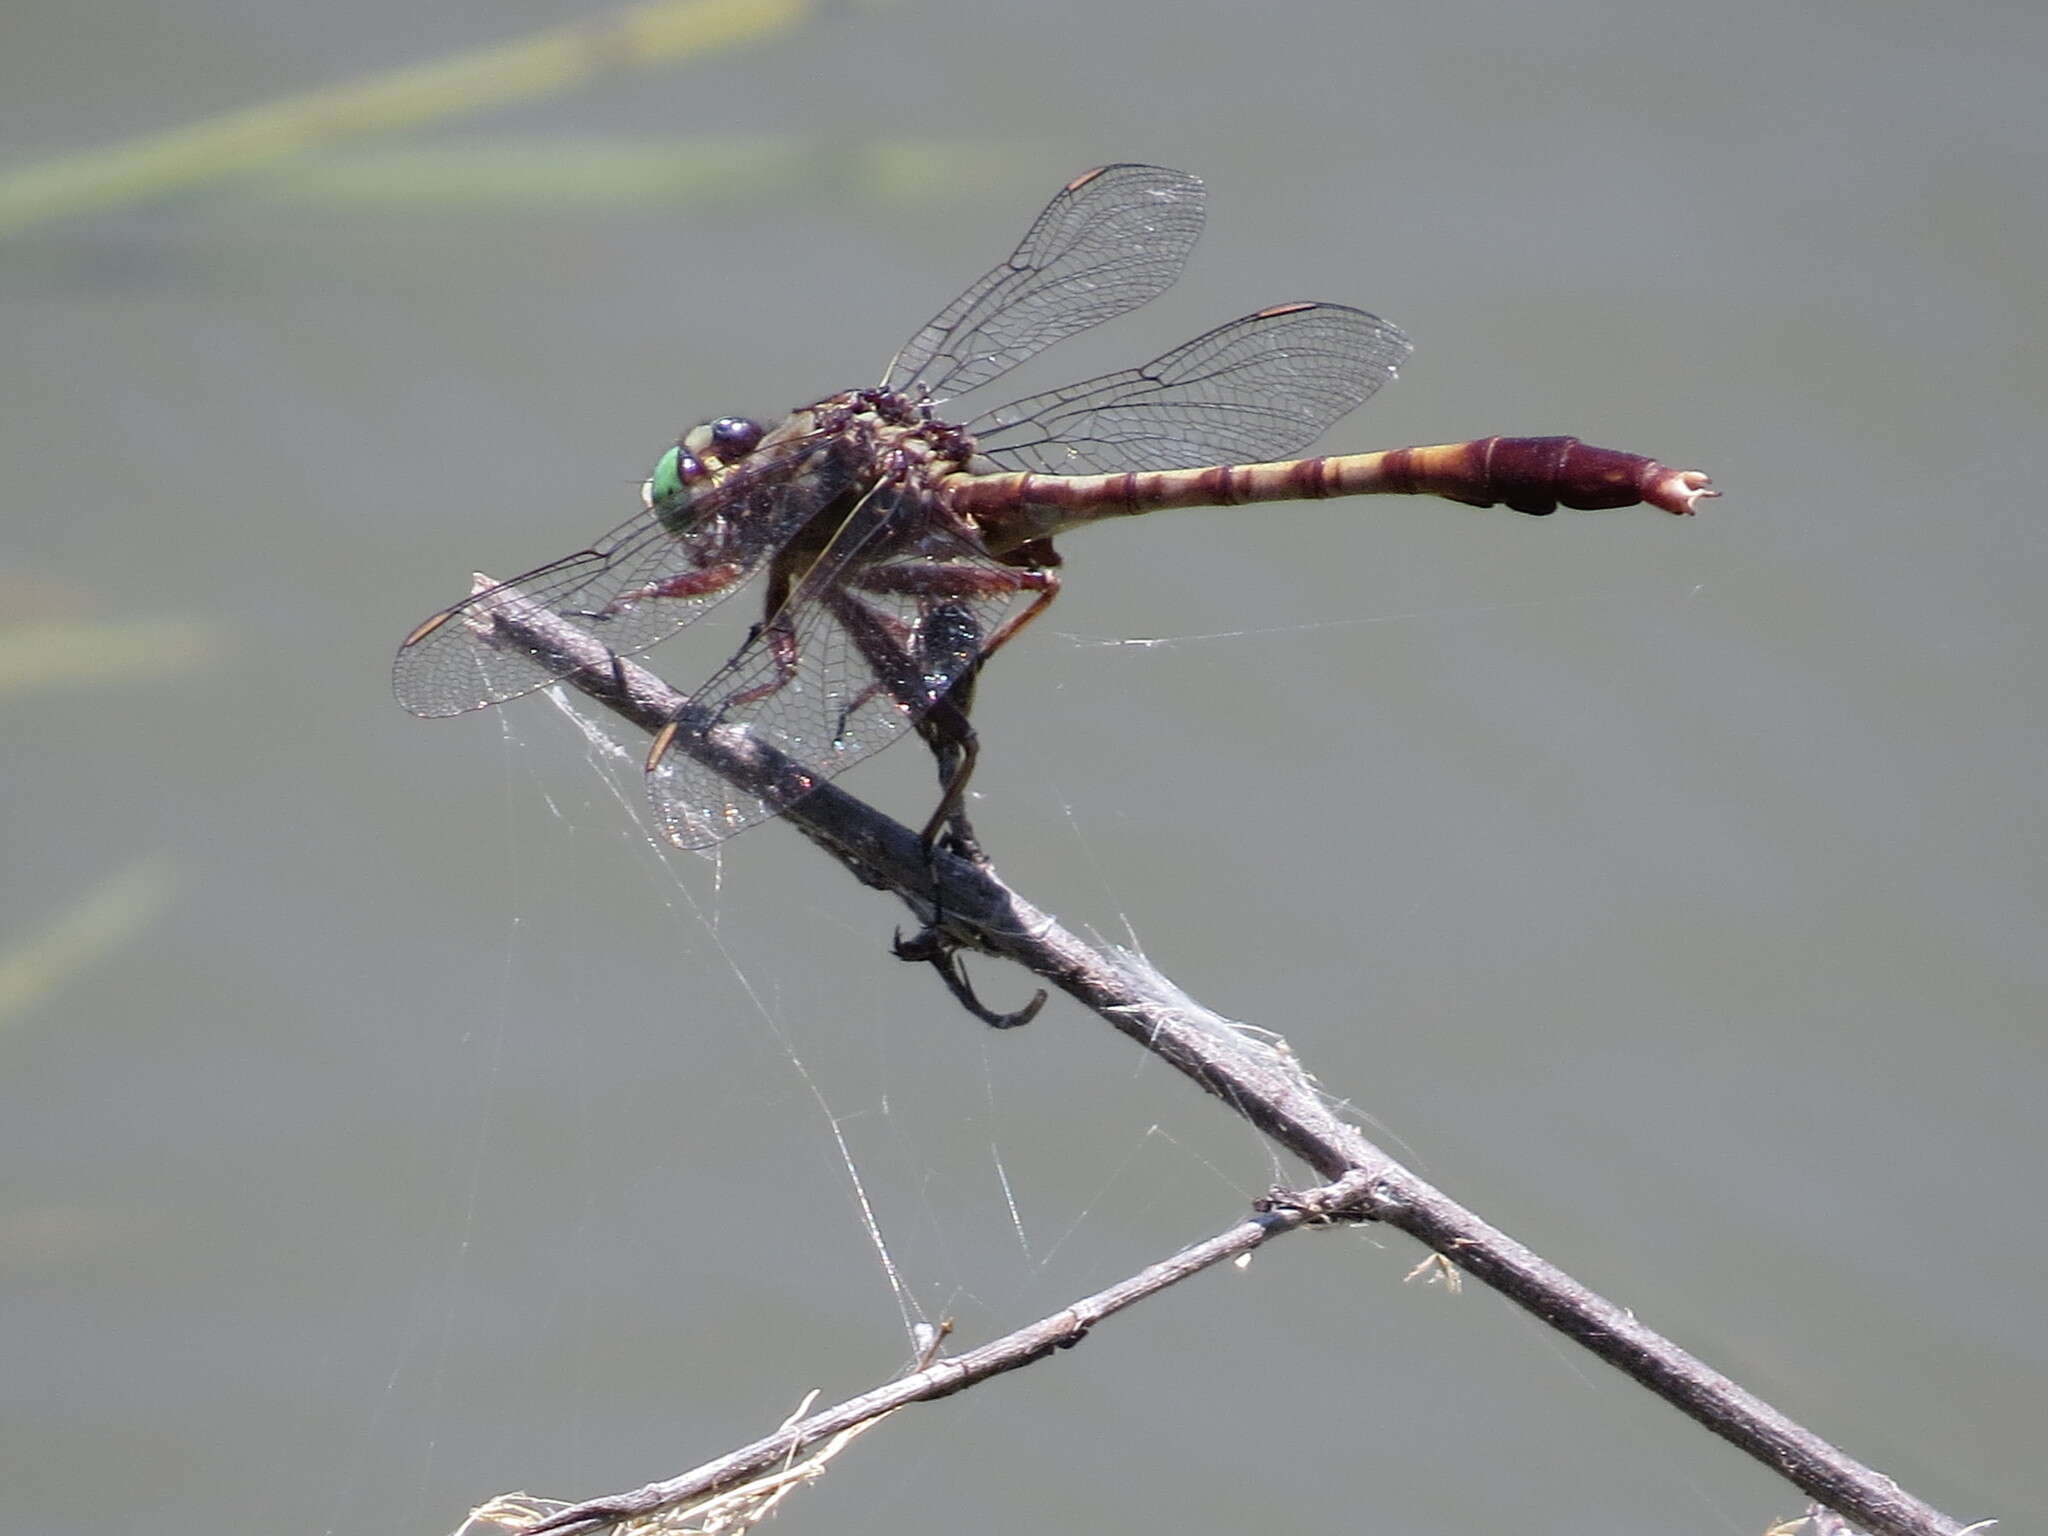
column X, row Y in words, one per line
column 656, row 572
column 875, row 634
column 1259, row 388
column 1111, row 240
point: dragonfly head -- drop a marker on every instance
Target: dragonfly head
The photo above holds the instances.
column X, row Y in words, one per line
column 699, row 454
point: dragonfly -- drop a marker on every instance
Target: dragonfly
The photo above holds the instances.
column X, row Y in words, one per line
column 898, row 545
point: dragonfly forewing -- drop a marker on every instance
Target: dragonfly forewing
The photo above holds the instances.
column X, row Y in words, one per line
column 1113, row 238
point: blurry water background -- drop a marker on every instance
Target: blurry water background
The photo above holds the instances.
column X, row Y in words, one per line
column 387, row 1124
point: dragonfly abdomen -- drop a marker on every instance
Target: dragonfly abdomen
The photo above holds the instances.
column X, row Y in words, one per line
column 1536, row 475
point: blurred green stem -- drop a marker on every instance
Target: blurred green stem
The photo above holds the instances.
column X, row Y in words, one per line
column 543, row 64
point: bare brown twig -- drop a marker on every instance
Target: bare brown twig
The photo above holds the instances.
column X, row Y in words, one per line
column 1258, row 1081
column 954, row 1373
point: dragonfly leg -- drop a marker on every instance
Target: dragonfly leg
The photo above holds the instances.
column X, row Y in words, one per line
column 947, row 730
column 911, row 657
column 950, row 735
column 947, row 633
column 1041, row 578
column 709, row 580
column 955, row 747
column 698, row 583
column 943, row 956
column 782, row 651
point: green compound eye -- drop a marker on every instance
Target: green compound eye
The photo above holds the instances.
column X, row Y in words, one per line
column 666, row 483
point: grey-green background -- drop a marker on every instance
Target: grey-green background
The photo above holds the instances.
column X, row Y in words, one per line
column 403, row 1129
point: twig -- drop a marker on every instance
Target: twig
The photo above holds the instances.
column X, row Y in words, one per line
column 1260, row 1082
column 942, row 1378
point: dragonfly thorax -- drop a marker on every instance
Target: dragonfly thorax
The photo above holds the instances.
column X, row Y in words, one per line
column 907, row 438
